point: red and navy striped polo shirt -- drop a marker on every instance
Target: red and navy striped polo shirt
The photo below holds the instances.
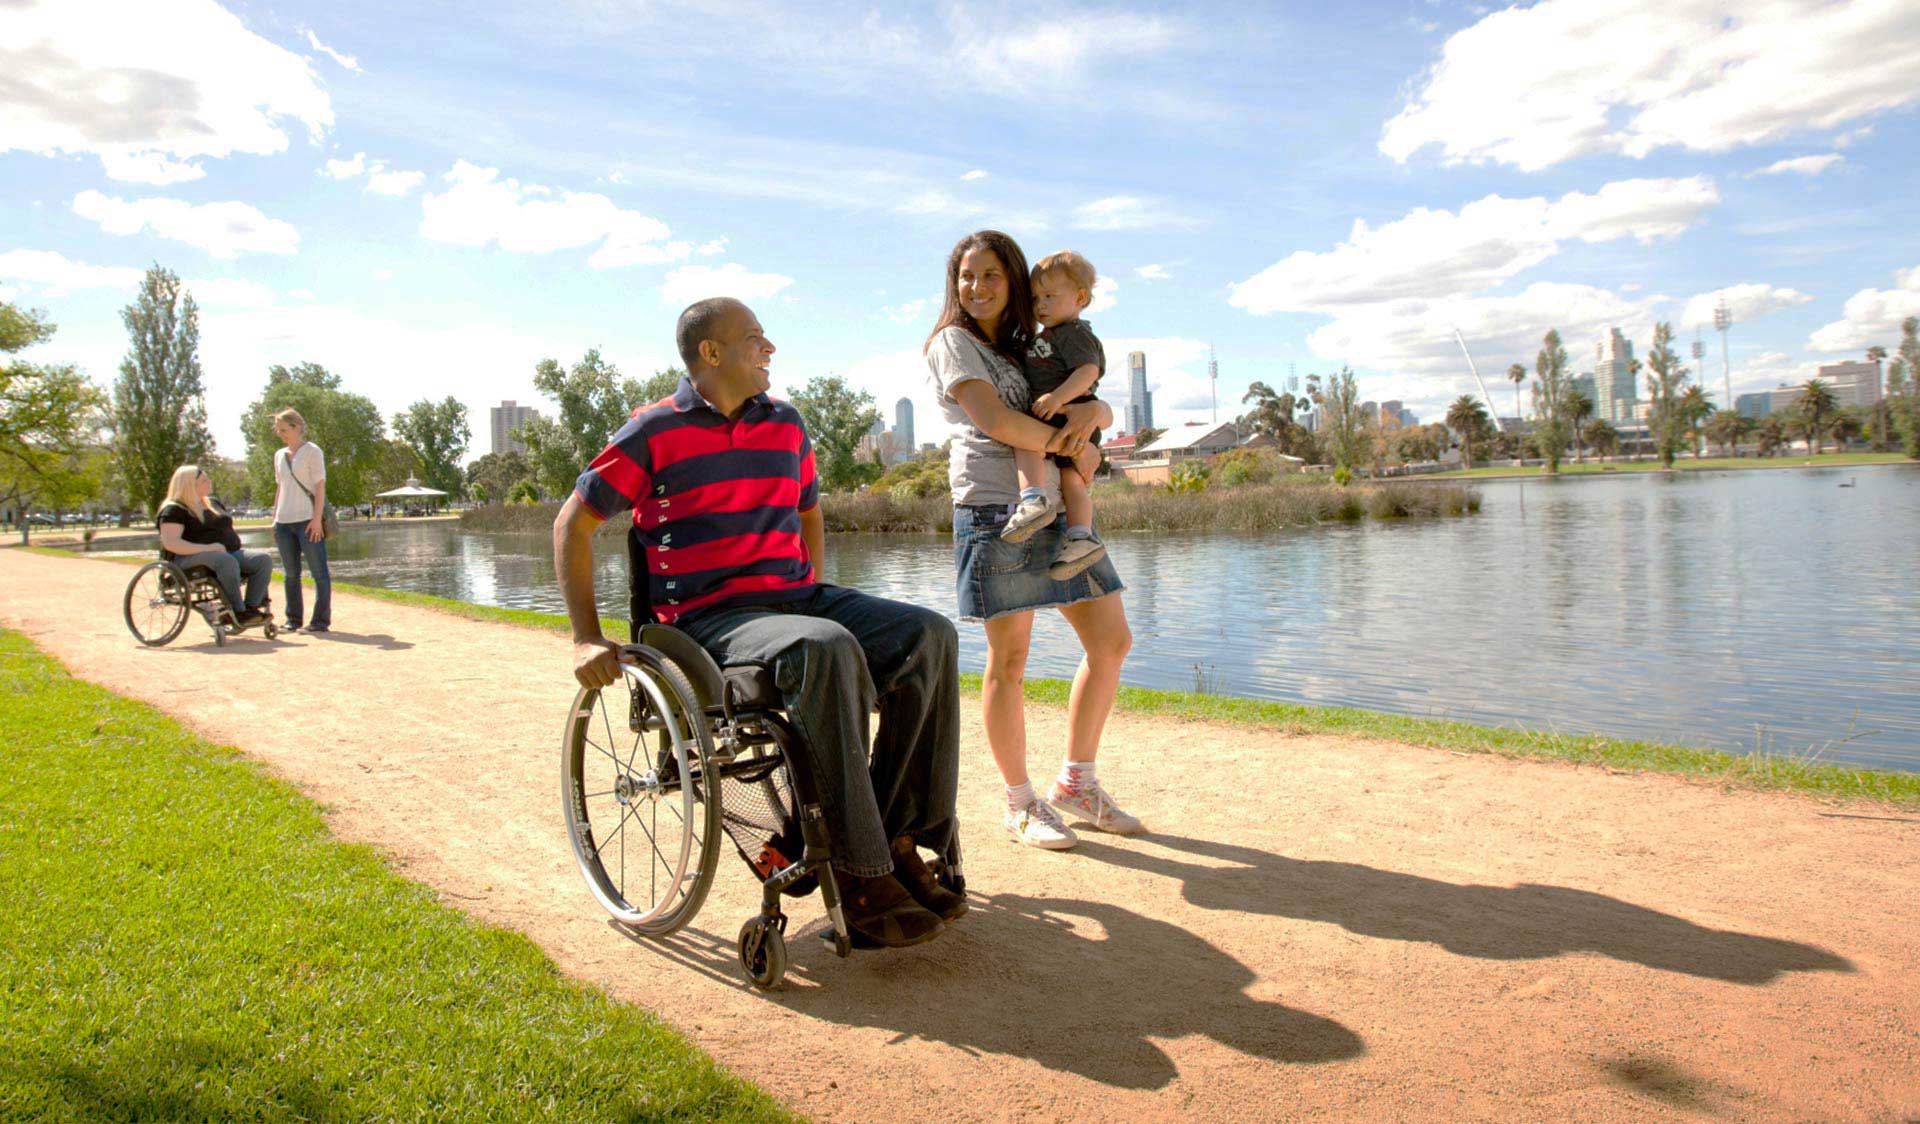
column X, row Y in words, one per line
column 716, row 501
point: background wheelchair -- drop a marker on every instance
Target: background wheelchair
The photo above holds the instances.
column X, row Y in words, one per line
column 657, row 768
column 163, row 593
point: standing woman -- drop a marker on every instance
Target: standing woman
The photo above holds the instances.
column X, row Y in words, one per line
column 974, row 354
column 300, row 498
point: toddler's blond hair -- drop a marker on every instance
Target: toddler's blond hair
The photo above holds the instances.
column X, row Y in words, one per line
column 1071, row 263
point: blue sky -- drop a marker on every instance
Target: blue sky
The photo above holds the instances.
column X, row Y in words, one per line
column 430, row 201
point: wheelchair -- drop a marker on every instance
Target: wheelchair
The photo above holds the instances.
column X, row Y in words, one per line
column 657, row 769
column 164, row 592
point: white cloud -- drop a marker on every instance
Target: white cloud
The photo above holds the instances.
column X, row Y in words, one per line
column 1435, row 253
column 1747, row 303
column 479, row 207
column 711, row 247
column 690, row 283
column 976, row 174
column 1803, row 165
column 1416, row 336
column 149, row 88
column 224, row 230
column 50, row 275
column 1106, row 294
column 889, row 377
column 347, row 62
column 1634, row 76
column 1871, row 316
column 908, row 312
column 381, row 180
column 1125, row 212
column 1852, row 136
column 382, row 273
column 1151, row 272
column 1176, row 373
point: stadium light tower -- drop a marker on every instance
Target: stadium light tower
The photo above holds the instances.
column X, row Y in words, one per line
column 1213, row 383
column 1722, row 321
column 1699, row 353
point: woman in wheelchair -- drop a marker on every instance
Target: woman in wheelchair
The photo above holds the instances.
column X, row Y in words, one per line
column 195, row 530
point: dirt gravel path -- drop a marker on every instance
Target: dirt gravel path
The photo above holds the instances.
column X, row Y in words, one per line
column 1318, row 928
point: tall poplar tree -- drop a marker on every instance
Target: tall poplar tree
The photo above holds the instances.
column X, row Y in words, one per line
column 1666, row 382
column 1551, row 390
column 159, row 412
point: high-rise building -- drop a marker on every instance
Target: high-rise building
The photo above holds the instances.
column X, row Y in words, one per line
column 1755, row 405
column 1613, row 378
column 1855, row 383
column 507, row 417
column 903, row 423
column 1584, row 384
column 1139, row 398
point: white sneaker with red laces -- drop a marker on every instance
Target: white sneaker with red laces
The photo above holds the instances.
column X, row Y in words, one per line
column 1092, row 804
column 1037, row 825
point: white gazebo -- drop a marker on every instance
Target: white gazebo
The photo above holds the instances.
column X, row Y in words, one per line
column 412, row 490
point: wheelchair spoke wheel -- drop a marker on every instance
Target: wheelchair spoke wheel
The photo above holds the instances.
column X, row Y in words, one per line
column 157, row 603
column 641, row 796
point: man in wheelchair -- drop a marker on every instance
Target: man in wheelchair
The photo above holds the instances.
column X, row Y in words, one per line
column 719, row 480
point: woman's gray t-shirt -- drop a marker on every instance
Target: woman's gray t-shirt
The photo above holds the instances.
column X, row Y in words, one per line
column 979, row 469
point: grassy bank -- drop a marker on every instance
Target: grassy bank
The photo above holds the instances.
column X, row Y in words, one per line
column 1251, row 508
column 196, row 945
column 1704, row 464
column 1797, row 770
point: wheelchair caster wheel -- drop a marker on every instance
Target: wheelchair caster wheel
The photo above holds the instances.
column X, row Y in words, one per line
column 763, row 951
column 272, row 630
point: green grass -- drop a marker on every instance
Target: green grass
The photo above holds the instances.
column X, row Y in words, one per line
column 1704, row 464
column 184, row 940
column 1797, row 770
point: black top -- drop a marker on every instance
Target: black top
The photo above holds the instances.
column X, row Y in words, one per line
column 213, row 528
column 1059, row 351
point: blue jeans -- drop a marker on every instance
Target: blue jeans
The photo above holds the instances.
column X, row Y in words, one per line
column 995, row 578
column 229, row 566
column 294, row 545
column 834, row 652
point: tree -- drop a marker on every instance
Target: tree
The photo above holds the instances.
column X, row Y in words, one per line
column 393, row 463
column 1342, row 429
column 1906, row 414
column 1579, row 409
column 1844, row 426
column 47, row 415
column 437, row 432
column 1467, row 418
column 346, row 426
column 1877, row 355
column 1695, row 408
column 1148, row 435
column 1666, row 381
column 494, row 474
column 1519, row 375
column 1272, row 413
column 837, row 417
column 1550, row 390
column 594, row 400
column 159, row 415
column 1817, row 403
column 1725, row 429
column 1770, row 434
column 1602, row 436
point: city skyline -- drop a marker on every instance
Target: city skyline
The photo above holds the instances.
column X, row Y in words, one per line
column 427, row 223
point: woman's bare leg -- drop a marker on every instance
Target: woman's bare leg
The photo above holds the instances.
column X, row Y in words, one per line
column 1102, row 628
column 1003, row 696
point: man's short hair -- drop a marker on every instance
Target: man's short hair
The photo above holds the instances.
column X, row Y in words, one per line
column 698, row 323
column 1070, row 263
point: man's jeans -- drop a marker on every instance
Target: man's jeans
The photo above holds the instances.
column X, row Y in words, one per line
column 294, row 544
column 832, row 652
column 229, row 565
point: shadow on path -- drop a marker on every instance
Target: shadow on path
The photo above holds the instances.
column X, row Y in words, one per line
column 1521, row 922
column 1002, row 981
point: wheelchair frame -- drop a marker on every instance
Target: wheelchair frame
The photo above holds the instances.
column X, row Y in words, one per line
column 162, row 593
column 713, row 730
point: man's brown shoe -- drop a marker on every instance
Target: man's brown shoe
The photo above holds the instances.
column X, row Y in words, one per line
column 881, row 910
column 919, row 880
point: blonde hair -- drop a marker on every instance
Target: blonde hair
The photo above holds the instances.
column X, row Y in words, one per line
column 184, row 489
column 292, row 417
column 1076, row 267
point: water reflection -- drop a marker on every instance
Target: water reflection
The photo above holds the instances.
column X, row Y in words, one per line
column 1730, row 610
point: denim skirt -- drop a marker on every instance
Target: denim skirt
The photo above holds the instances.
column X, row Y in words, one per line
column 996, row 577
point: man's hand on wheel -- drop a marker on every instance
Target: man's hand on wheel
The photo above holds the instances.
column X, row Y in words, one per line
column 596, row 663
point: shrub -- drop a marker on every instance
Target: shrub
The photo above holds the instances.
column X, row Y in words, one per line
column 1236, row 467
column 1189, row 477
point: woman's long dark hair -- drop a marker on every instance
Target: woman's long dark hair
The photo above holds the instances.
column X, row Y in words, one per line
column 1016, row 323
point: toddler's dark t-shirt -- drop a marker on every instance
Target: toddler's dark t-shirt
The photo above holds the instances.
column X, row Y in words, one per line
column 1059, row 351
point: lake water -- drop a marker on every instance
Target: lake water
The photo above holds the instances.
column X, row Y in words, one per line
column 1768, row 609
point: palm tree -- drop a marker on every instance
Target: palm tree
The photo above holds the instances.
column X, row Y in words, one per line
column 1602, row 436
column 1579, row 408
column 1725, row 428
column 1816, row 404
column 1695, row 408
column 1468, row 420
column 1843, row 427
column 1519, row 375
column 1771, row 434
